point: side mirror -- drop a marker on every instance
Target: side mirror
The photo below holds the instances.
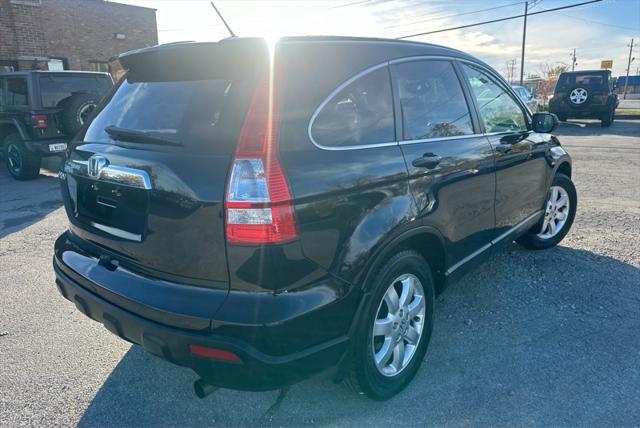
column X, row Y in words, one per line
column 544, row 122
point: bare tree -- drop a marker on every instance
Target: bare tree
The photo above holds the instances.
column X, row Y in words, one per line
column 550, row 74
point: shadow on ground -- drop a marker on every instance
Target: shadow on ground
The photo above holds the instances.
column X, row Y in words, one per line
column 532, row 338
column 593, row 128
column 23, row 203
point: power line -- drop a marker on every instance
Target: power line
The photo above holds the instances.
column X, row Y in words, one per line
column 347, row 4
column 597, row 22
column 498, row 20
column 455, row 14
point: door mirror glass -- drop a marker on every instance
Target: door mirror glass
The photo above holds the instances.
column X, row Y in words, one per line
column 544, row 122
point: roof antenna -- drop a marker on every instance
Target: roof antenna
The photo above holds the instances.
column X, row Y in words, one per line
column 223, row 21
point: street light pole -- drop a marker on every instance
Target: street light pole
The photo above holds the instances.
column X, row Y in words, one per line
column 573, row 60
column 626, row 81
column 524, row 38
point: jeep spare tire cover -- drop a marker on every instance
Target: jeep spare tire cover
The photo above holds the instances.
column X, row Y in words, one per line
column 579, row 96
column 77, row 109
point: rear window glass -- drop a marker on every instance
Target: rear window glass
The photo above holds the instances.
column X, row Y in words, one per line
column 56, row 90
column 189, row 113
column 594, row 80
column 359, row 114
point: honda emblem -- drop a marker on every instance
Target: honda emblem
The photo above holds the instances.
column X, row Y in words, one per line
column 95, row 165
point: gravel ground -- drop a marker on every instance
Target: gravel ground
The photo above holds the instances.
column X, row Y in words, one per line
column 531, row 338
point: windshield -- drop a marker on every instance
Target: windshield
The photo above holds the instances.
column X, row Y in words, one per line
column 56, row 89
column 189, row 113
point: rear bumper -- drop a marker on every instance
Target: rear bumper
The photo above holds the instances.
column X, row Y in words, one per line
column 589, row 111
column 259, row 370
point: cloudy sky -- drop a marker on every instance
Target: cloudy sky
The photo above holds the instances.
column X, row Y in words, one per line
column 598, row 31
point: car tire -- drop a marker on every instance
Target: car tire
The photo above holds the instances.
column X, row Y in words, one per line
column 608, row 118
column 578, row 97
column 542, row 235
column 21, row 163
column 411, row 318
column 76, row 111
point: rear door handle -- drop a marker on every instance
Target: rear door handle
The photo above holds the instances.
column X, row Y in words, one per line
column 503, row 148
column 428, row 160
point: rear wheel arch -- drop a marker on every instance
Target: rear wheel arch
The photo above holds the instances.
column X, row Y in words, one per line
column 5, row 130
column 426, row 241
column 11, row 126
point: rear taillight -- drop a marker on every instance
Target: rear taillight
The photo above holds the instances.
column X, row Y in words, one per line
column 40, row 121
column 258, row 201
column 605, row 94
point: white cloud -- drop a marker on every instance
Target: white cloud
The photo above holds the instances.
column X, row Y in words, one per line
column 550, row 37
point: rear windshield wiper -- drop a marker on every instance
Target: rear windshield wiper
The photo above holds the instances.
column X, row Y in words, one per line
column 136, row 136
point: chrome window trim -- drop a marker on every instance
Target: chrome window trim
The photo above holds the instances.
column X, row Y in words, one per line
column 403, row 142
column 330, row 97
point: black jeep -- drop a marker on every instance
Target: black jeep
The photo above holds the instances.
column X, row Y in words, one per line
column 585, row 94
column 41, row 111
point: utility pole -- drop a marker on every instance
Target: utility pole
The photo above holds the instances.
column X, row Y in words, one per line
column 626, row 82
column 573, row 60
column 511, row 66
column 524, row 38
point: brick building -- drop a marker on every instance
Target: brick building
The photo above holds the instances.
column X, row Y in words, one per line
column 71, row 34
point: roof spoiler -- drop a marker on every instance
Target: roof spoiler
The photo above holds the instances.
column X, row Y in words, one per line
column 197, row 60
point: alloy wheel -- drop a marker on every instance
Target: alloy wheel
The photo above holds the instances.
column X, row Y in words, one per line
column 15, row 158
column 578, row 96
column 556, row 212
column 398, row 325
column 84, row 112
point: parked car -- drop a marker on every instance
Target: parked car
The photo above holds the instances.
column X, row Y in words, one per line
column 585, row 94
column 268, row 214
column 40, row 111
column 529, row 99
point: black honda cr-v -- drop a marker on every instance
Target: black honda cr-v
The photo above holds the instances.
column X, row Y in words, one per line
column 261, row 212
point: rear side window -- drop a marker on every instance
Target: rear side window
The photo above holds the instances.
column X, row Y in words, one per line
column 431, row 100
column 55, row 89
column 498, row 110
column 361, row 113
column 17, row 93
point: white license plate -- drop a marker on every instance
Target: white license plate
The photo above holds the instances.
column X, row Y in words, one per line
column 58, row 147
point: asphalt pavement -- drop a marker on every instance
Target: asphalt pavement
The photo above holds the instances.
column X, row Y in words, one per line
column 547, row 338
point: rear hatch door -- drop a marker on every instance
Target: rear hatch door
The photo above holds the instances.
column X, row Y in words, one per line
column 145, row 182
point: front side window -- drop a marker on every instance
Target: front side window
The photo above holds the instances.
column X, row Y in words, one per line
column 360, row 114
column 431, row 100
column 17, row 92
column 498, row 110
